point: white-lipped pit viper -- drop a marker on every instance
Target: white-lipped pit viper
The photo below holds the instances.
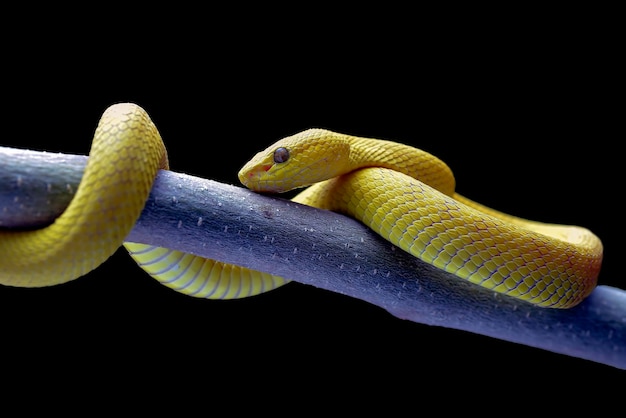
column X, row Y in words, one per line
column 404, row 194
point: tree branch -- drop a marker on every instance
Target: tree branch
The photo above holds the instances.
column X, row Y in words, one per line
column 319, row 248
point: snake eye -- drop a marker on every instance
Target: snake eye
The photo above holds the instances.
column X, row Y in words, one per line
column 281, row 155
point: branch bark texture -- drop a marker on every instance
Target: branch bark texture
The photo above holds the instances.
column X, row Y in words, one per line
column 319, row 248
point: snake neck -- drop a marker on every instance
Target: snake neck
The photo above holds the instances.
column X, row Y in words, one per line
column 414, row 162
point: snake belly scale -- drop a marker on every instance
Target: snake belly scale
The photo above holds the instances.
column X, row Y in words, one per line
column 404, row 194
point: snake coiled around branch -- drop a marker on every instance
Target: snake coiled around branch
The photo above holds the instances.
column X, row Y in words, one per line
column 404, row 194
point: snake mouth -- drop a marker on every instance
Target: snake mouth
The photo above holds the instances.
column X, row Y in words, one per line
column 256, row 179
column 250, row 178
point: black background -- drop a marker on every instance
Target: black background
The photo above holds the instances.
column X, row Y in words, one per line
column 525, row 122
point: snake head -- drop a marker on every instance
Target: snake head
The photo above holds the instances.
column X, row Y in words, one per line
column 297, row 161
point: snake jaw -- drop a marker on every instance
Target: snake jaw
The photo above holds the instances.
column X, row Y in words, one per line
column 252, row 177
column 258, row 175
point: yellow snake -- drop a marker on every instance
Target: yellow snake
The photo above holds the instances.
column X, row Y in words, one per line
column 404, row 194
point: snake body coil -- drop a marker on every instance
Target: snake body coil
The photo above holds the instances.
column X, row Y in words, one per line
column 404, row 194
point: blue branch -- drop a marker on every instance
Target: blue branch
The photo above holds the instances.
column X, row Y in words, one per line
column 322, row 249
